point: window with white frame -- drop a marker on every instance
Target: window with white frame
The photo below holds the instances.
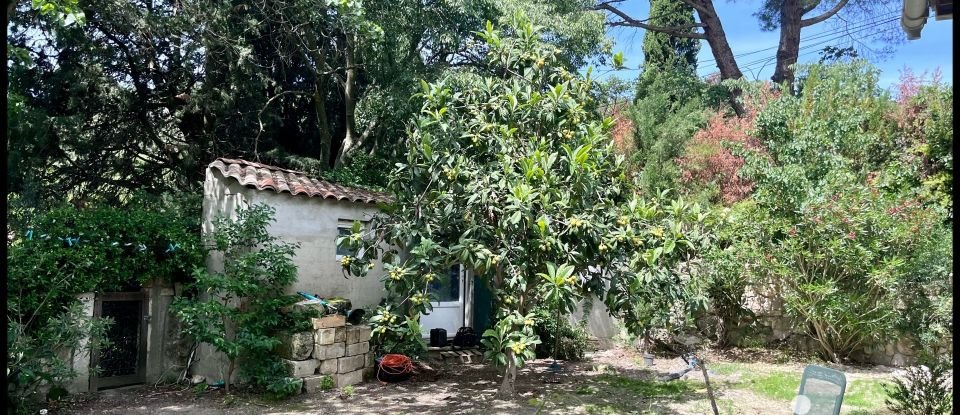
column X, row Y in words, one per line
column 344, row 228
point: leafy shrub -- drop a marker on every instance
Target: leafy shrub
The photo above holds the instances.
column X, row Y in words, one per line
column 664, row 119
column 67, row 251
column 573, row 337
column 708, row 160
column 362, row 170
column 727, row 285
column 924, row 115
column 923, row 390
column 327, row 383
column 280, row 387
column 239, row 310
column 60, row 252
column 845, row 263
column 392, row 333
column 35, row 357
column 832, row 222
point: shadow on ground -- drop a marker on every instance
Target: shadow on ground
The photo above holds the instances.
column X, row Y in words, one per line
column 589, row 387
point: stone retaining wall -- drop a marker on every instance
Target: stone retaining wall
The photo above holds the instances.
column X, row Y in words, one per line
column 776, row 326
column 332, row 349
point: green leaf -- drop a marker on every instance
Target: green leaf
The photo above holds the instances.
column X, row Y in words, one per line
column 618, row 60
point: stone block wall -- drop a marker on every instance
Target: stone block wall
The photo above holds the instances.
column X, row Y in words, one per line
column 332, row 349
column 776, row 326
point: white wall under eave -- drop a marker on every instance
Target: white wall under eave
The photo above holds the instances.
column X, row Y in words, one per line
column 312, row 222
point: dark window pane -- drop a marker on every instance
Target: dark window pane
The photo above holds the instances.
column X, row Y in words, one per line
column 447, row 287
column 341, row 232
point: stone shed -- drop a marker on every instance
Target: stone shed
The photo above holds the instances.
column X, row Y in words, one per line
column 311, row 212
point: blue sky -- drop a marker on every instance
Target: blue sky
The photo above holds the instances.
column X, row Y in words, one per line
column 932, row 50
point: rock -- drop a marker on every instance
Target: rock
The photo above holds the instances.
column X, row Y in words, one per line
column 365, row 333
column 353, row 334
column 905, row 346
column 308, row 305
column 331, row 351
column 316, row 383
column 357, row 348
column 326, row 336
column 297, row 346
column 328, row 367
column 197, row 379
column 898, row 360
column 349, row 363
column 350, row 378
column 299, row 369
column 333, row 320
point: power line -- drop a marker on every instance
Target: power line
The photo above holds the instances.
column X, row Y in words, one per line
column 807, row 46
column 877, row 21
column 819, row 35
column 750, row 66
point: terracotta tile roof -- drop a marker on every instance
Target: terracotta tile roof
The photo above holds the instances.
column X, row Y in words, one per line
column 263, row 177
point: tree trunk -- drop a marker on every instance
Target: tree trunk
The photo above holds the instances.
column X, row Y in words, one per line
column 706, row 379
column 349, row 103
column 789, row 49
column 323, row 124
column 11, row 9
column 509, row 378
column 230, row 368
column 726, row 62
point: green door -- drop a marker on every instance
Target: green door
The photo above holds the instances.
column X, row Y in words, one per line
column 482, row 305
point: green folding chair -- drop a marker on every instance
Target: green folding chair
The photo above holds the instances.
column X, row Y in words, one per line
column 821, row 391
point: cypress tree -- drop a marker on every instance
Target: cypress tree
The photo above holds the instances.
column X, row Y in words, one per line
column 666, row 54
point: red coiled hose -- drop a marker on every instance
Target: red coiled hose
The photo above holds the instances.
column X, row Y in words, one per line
column 395, row 364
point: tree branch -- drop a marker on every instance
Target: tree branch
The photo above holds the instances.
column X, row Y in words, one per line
column 678, row 31
column 809, row 8
column 826, row 15
column 696, row 5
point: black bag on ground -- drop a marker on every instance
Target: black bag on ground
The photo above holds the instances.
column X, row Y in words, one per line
column 438, row 337
column 466, row 337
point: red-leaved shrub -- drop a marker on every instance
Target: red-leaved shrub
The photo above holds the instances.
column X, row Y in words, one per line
column 707, row 159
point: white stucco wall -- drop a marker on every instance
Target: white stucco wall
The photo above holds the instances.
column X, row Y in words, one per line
column 80, row 357
column 600, row 324
column 310, row 221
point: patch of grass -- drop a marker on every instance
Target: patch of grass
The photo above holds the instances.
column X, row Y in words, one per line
column 865, row 394
column 347, row 391
column 725, row 368
column 781, row 386
column 586, row 390
column 862, row 394
column 649, row 388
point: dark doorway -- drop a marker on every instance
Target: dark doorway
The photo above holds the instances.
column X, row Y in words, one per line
column 123, row 361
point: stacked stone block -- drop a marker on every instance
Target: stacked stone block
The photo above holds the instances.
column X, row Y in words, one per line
column 333, row 349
